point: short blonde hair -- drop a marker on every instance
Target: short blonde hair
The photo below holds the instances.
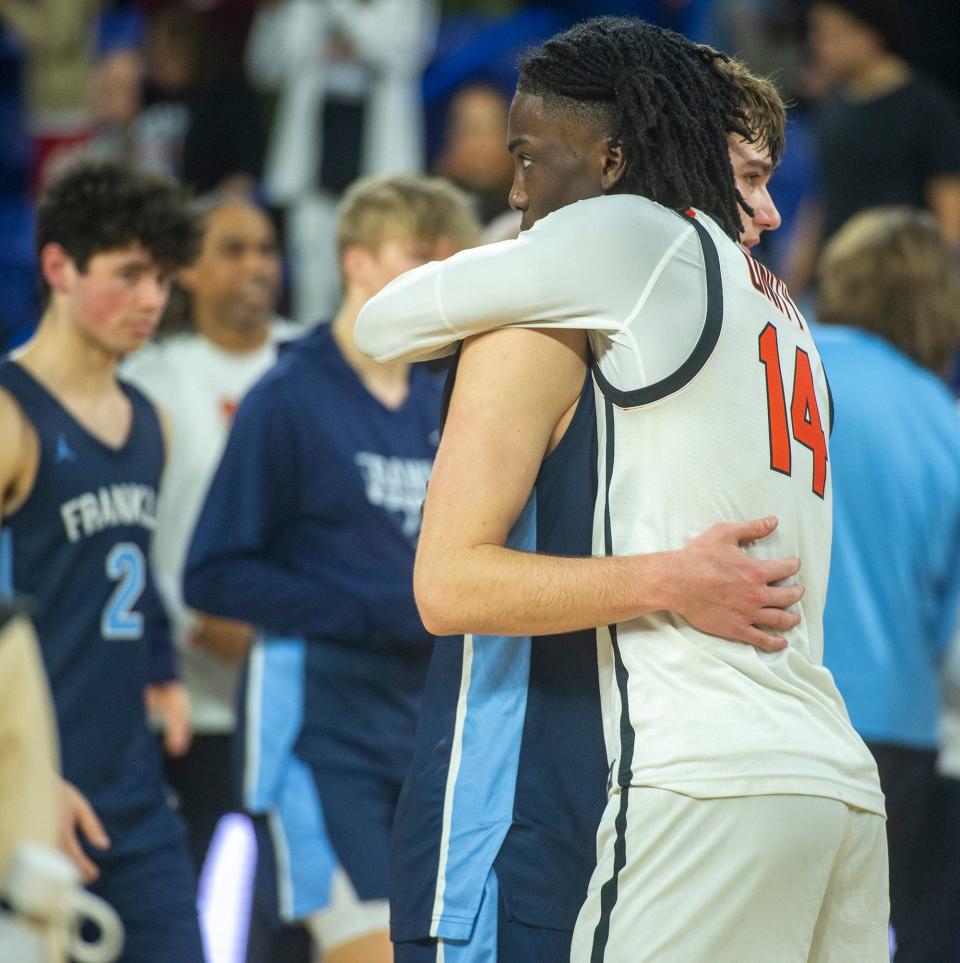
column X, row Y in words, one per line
column 763, row 106
column 407, row 207
column 889, row 270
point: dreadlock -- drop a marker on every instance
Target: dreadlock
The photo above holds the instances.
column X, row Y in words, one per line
column 663, row 99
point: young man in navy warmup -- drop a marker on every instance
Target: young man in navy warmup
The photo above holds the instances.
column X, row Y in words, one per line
column 308, row 532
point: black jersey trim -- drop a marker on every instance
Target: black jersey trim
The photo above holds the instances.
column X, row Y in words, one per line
column 448, row 384
column 830, row 409
column 627, row 734
column 712, row 325
column 610, row 889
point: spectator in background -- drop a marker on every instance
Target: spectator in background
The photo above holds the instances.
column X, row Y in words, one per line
column 201, row 122
column 309, row 531
column 474, row 155
column 224, row 337
column 58, row 44
column 116, row 98
column 883, row 137
column 890, row 302
column 347, row 76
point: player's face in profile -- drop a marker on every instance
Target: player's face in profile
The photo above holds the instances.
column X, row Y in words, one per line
column 117, row 301
column 752, row 170
column 237, row 275
column 557, row 159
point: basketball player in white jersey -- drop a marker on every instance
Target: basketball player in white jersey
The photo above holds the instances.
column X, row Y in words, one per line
column 745, row 820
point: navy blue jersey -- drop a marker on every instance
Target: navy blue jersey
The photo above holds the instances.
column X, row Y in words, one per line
column 309, row 532
column 510, row 767
column 78, row 548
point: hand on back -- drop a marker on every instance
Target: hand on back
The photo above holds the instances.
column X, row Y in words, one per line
column 721, row 590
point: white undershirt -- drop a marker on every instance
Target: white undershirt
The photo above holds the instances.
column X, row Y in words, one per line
column 199, row 385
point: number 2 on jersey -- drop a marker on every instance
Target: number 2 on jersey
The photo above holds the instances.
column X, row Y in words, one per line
column 125, row 565
column 804, row 412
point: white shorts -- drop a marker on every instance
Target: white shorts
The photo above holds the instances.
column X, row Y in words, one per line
column 346, row 917
column 750, row 879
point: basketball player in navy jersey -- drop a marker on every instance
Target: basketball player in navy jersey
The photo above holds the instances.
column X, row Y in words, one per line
column 80, row 464
column 597, row 129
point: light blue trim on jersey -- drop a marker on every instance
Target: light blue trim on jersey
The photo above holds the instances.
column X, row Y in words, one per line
column 481, row 782
column 6, row 562
column 482, row 946
column 278, row 783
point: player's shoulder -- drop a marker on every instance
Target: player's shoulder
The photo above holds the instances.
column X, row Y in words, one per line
column 601, row 237
column 283, row 385
column 12, row 416
column 609, row 212
column 297, row 356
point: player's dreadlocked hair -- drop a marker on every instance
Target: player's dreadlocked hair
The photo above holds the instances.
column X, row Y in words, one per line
column 662, row 98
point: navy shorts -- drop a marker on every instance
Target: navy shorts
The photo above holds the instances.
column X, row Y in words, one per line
column 155, row 895
column 495, row 936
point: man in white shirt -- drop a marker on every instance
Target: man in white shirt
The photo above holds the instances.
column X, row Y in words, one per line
column 221, row 336
column 718, row 746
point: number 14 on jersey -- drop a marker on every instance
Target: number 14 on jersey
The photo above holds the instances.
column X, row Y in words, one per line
column 804, row 414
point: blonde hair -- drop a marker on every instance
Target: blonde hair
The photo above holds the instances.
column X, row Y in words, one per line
column 763, row 106
column 406, row 207
column 889, row 270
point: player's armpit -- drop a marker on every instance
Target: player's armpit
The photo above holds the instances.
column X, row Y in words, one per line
column 18, row 455
column 166, row 429
column 513, row 387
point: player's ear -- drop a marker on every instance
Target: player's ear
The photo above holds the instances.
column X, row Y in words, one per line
column 354, row 264
column 613, row 165
column 57, row 266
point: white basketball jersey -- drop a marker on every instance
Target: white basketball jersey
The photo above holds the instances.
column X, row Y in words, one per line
column 739, row 430
column 712, row 406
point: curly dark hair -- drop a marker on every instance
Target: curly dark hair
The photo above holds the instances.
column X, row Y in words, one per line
column 661, row 97
column 105, row 205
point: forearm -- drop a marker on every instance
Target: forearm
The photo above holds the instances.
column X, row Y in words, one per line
column 490, row 590
column 272, row 597
column 256, row 591
column 425, row 312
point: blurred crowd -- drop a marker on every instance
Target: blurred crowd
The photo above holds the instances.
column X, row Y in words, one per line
column 269, row 110
column 240, row 97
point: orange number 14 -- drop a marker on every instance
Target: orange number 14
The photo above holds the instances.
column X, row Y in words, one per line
column 804, row 413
